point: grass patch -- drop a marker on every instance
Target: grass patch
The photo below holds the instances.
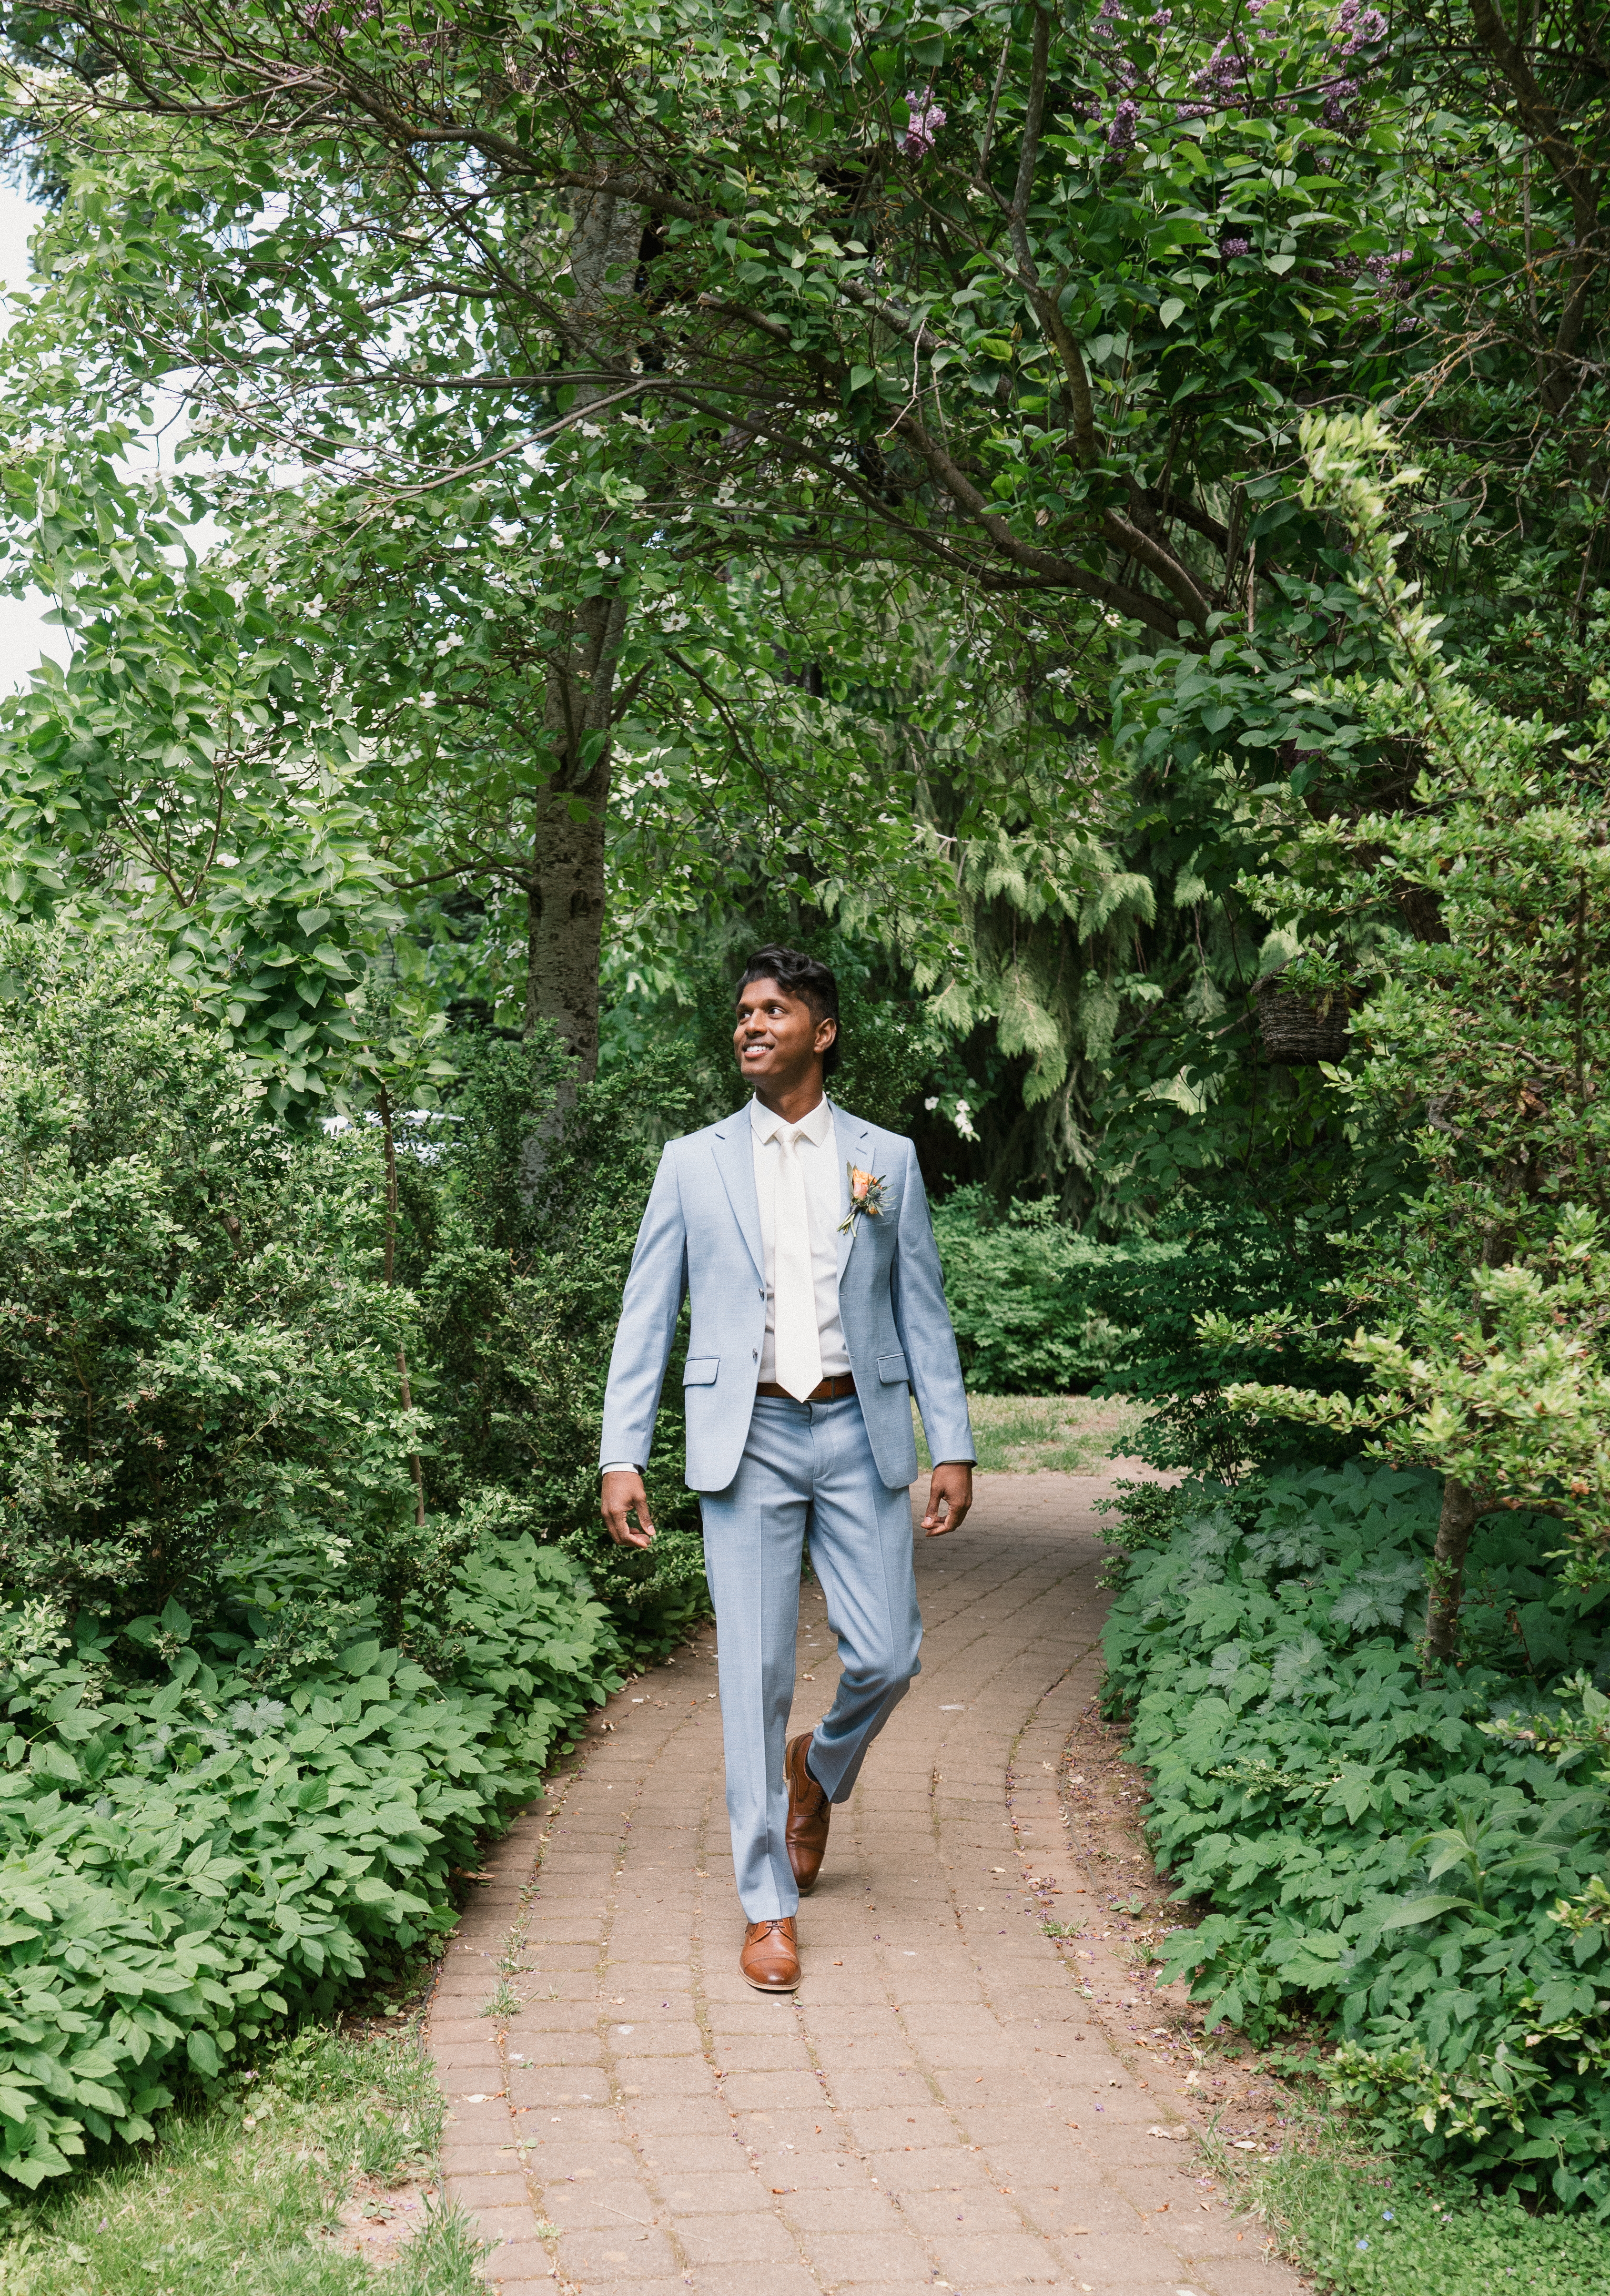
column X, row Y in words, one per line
column 282, row 2185
column 1360, row 2229
column 1034, row 1434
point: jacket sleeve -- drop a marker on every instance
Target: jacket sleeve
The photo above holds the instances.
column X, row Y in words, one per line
column 923, row 1322
column 655, row 1288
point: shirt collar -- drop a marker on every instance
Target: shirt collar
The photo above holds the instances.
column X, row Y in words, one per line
column 814, row 1127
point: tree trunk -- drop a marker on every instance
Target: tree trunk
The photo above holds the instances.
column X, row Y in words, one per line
column 1461, row 1507
column 1560, row 372
column 414, row 1468
column 565, row 891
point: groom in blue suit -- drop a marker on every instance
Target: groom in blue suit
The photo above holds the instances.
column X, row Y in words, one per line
column 800, row 1237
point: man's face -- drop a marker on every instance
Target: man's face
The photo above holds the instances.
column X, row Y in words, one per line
column 778, row 1036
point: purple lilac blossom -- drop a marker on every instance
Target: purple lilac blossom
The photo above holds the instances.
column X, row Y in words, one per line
column 1120, row 135
column 1222, row 80
column 927, row 118
column 1108, row 13
column 1355, row 28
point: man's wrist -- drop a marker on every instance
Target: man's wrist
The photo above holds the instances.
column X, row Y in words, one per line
column 620, row 1467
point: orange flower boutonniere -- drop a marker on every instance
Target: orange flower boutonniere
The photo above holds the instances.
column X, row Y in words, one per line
column 866, row 1195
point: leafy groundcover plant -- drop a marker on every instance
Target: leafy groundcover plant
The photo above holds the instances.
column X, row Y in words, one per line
column 1416, row 1861
column 189, row 1854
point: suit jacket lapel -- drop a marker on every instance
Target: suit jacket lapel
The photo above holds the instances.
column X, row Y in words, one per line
column 852, row 1136
column 734, row 1147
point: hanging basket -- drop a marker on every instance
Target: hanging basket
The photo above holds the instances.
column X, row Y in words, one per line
column 1300, row 1028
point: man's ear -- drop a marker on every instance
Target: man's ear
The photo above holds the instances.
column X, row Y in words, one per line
column 825, row 1044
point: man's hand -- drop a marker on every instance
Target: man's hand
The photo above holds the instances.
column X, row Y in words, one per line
column 951, row 1488
column 624, row 1495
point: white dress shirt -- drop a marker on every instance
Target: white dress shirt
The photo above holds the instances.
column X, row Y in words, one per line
column 817, row 1149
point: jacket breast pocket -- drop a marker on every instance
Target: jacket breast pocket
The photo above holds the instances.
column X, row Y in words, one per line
column 892, row 1371
column 701, row 1371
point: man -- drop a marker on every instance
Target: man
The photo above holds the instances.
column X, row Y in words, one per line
column 801, row 1237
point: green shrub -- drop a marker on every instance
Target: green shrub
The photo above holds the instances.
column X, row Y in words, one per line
column 655, row 1596
column 1026, row 1294
column 522, row 1219
column 1040, row 1309
column 199, row 1398
column 1371, row 1850
column 187, row 1859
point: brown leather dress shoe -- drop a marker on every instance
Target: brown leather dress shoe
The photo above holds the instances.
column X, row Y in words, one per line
column 810, row 1813
column 770, row 1958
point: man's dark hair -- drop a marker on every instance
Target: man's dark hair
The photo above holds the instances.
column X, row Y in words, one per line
column 804, row 978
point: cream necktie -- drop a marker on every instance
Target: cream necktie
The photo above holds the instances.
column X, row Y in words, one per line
column 794, row 1304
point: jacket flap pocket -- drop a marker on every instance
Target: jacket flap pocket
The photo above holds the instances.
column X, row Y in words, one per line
column 892, row 1370
column 701, row 1371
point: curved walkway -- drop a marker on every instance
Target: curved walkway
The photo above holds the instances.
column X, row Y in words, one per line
column 938, row 2106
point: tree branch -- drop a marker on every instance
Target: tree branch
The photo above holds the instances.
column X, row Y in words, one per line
column 1541, row 122
column 1200, row 521
column 902, row 322
column 1125, row 535
column 1046, row 308
column 1054, row 570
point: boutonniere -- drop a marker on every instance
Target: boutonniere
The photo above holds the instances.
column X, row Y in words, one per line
column 866, row 1195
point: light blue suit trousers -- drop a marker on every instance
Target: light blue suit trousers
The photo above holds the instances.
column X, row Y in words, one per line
column 806, row 1467
column 772, row 1472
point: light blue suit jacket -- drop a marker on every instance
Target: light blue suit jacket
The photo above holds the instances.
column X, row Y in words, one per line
column 701, row 1239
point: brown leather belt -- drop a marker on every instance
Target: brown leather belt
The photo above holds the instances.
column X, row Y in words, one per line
column 828, row 1391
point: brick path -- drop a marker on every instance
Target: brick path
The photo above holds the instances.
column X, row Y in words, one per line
column 640, row 2122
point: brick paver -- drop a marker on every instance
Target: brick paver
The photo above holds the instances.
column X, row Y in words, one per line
column 938, row 2105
